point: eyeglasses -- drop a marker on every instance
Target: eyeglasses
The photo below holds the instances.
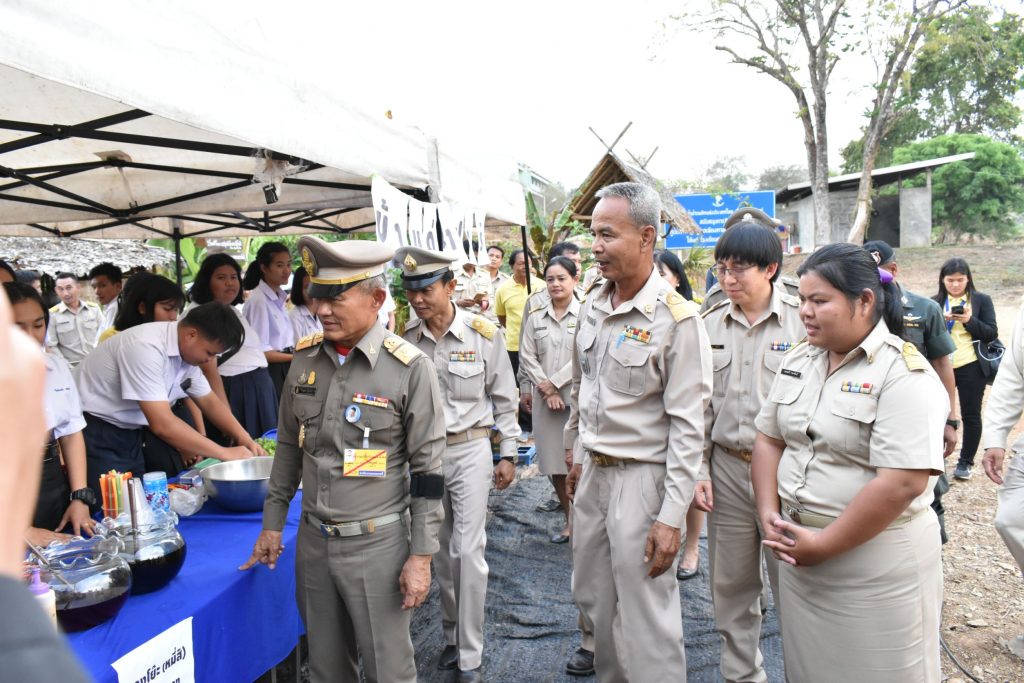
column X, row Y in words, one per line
column 722, row 271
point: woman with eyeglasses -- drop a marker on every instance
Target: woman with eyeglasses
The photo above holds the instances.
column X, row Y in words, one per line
column 971, row 322
column 848, row 442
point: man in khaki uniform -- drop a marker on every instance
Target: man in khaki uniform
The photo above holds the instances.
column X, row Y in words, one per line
column 74, row 324
column 641, row 381
column 478, row 392
column 1005, row 404
column 473, row 289
column 748, row 214
column 361, row 425
column 749, row 333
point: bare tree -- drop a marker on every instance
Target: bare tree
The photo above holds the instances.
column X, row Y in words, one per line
column 896, row 38
column 775, row 36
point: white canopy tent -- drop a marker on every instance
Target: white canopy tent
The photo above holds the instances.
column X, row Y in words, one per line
column 138, row 120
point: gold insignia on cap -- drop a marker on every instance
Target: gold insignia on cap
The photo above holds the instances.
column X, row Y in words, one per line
column 307, row 261
column 409, row 262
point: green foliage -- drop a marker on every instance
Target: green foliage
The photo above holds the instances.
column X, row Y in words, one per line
column 968, row 72
column 979, row 196
column 547, row 231
column 192, row 254
column 696, row 263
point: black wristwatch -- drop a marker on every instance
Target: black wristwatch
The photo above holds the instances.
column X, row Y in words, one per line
column 955, row 424
column 86, row 495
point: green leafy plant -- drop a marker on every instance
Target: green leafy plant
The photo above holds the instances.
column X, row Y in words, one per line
column 547, row 231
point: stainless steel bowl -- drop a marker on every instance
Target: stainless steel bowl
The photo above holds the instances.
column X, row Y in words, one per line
column 239, row 485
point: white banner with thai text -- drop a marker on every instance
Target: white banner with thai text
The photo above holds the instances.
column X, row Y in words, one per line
column 165, row 657
column 391, row 210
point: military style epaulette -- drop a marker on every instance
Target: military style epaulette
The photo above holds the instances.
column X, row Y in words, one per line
column 55, row 308
column 538, row 301
column 593, row 285
column 410, row 324
column 913, row 358
column 483, row 326
column 714, row 307
column 677, row 304
column 310, row 340
column 796, row 346
column 401, row 349
column 790, row 299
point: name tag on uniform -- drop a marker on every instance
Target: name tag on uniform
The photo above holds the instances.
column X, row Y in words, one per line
column 462, row 356
column 364, row 462
column 571, row 325
column 378, row 401
column 791, row 373
column 718, row 347
column 781, row 346
column 857, row 387
column 304, row 389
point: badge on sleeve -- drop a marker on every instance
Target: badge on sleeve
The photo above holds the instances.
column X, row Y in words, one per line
column 352, row 414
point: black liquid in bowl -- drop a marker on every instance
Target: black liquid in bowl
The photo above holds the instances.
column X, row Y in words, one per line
column 154, row 573
column 82, row 618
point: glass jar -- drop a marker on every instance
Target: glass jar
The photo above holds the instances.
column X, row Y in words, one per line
column 155, row 553
column 96, row 580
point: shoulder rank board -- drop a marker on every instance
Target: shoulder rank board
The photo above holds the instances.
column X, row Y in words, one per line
column 310, row 340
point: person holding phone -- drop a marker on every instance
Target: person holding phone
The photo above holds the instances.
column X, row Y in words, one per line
column 970, row 318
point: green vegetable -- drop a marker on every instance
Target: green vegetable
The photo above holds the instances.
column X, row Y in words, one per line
column 269, row 445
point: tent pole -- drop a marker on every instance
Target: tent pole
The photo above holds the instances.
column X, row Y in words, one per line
column 177, row 253
column 526, row 259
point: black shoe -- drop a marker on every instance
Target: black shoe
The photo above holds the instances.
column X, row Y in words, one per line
column 684, row 574
column 560, row 538
column 449, row 658
column 473, row 676
column 581, row 663
column 549, row 505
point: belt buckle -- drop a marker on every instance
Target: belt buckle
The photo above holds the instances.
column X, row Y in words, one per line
column 371, row 526
column 328, row 530
column 793, row 513
column 746, row 456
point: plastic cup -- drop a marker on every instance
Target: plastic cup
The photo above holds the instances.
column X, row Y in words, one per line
column 155, row 486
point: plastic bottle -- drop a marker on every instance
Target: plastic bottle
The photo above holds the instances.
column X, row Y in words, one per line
column 45, row 595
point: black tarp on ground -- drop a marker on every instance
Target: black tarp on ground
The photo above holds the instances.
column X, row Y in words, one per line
column 531, row 620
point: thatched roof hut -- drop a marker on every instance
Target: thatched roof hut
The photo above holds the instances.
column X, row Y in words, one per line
column 56, row 254
column 610, row 170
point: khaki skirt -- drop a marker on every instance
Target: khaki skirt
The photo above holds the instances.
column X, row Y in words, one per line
column 870, row 614
column 548, row 427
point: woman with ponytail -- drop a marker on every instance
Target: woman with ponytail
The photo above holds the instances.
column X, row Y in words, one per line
column 847, row 442
column 265, row 309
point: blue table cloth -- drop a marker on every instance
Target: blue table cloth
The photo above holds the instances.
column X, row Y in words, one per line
column 243, row 623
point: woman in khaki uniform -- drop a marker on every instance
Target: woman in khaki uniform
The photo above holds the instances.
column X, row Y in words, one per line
column 849, row 440
column 545, row 356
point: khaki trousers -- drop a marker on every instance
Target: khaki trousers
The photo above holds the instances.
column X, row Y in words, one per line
column 734, row 556
column 870, row 614
column 1010, row 513
column 348, row 596
column 461, row 568
column 637, row 620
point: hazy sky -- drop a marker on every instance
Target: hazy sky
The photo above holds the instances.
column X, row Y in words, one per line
column 524, row 80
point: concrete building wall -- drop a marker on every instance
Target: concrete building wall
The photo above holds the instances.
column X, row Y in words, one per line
column 915, row 217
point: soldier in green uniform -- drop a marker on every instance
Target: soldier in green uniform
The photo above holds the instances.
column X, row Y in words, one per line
column 361, row 425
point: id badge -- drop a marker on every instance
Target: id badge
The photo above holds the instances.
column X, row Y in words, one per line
column 364, row 462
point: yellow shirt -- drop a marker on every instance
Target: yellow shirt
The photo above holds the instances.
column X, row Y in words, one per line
column 964, row 353
column 509, row 302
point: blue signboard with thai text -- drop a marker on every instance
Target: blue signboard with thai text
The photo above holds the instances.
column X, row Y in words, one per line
column 710, row 211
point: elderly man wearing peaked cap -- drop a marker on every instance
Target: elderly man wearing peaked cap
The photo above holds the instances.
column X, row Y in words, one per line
column 479, row 392
column 361, row 426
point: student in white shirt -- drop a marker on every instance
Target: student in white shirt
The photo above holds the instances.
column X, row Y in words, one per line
column 247, row 384
column 266, row 311
column 63, row 501
column 303, row 313
column 131, row 380
column 106, row 280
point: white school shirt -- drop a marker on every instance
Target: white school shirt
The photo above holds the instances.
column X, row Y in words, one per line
column 142, row 363
column 303, row 322
column 265, row 310
column 61, row 404
column 247, row 358
column 109, row 313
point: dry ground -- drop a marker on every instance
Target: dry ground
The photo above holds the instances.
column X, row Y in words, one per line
column 984, row 591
